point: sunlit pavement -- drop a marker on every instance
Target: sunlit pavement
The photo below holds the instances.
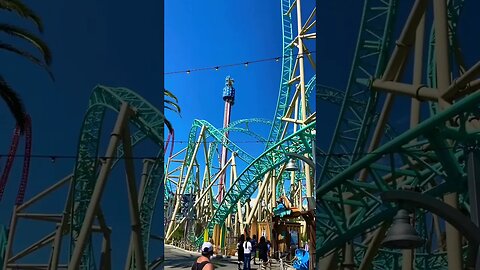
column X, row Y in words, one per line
column 176, row 258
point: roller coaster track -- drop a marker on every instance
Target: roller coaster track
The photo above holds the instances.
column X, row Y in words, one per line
column 148, row 120
column 355, row 119
column 428, row 164
column 287, row 60
column 422, row 157
column 241, row 126
column 218, row 137
column 247, row 182
column 26, row 160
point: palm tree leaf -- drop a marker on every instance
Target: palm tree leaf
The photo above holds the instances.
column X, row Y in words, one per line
column 175, row 105
column 22, row 10
column 14, row 103
column 31, row 38
column 27, row 55
column 170, row 94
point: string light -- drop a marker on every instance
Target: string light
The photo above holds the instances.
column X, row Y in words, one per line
column 246, row 63
column 53, row 158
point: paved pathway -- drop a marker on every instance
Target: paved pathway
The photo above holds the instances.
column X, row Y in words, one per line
column 176, row 258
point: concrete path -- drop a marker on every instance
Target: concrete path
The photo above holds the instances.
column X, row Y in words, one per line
column 176, row 258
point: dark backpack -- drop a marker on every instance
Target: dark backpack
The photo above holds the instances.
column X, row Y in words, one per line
column 199, row 266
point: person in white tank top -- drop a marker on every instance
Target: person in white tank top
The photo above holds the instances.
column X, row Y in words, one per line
column 247, row 253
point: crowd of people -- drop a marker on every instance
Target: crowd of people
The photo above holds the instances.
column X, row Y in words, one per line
column 248, row 249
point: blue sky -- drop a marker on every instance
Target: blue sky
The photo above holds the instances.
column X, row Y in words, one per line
column 113, row 43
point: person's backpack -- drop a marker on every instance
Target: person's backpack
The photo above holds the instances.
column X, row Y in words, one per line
column 199, row 266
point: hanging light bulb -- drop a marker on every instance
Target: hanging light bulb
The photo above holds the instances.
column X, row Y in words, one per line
column 188, row 71
column 246, row 64
column 216, row 68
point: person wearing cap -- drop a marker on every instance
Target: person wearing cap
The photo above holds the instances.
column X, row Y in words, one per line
column 203, row 262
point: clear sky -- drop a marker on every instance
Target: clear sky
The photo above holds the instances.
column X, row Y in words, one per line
column 114, row 43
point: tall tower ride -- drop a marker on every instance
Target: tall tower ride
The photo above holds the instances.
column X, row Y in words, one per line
column 229, row 98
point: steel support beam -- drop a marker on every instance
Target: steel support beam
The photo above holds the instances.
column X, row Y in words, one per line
column 99, row 186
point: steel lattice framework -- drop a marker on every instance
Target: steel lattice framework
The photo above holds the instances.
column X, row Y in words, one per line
column 427, row 156
column 88, row 180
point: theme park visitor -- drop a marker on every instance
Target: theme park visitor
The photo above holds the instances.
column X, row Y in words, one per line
column 203, row 262
column 268, row 247
column 254, row 248
column 247, row 253
column 262, row 250
column 241, row 239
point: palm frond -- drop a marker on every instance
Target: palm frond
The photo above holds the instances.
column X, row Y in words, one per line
column 22, row 10
column 175, row 105
column 27, row 55
column 14, row 103
column 170, row 94
column 31, row 38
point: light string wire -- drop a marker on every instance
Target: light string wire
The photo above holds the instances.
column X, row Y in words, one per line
column 346, row 154
column 245, row 63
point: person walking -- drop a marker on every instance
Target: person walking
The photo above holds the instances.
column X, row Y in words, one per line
column 240, row 253
column 262, row 252
column 247, row 253
column 203, row 262
column 254, row 248
column 269, row 245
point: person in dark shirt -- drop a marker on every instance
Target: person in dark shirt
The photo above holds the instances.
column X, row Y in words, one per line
column 263, row 250
column 203, row 262
column 240, row 252
column 254, row 248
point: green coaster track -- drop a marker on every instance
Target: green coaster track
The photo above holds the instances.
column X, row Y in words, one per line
column 429, row 158
column 149, row 122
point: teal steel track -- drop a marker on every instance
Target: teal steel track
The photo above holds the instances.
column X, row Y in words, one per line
column 149, row 121
column 287, row 60
column 423, row 157
column 247, row 182
column 355, row 117
column 241, row 126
